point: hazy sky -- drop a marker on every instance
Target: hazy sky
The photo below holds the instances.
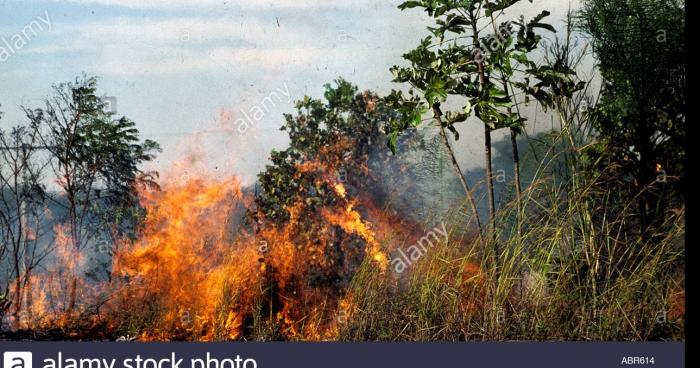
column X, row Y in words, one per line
column 182, row 67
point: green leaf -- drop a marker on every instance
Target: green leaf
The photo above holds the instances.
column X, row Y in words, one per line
column 410, row 5
column 546, row 26
column 467, row 108
column 393, row 142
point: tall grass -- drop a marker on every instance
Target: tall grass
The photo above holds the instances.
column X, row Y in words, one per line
column 574, row 263
column 569, row 273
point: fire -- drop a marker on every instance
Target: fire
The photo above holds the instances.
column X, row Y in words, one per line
column 351, row 221
column 199, row 270
column 186, row 261
column 50, row 299
column 340, row 189
column 205, row 278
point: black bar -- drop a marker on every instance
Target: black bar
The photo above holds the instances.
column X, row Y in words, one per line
column 356, row 355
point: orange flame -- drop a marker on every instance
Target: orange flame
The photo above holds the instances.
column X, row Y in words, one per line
column 197, row 272
column 187, row 260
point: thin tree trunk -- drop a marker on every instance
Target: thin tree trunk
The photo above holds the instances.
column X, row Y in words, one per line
column 467, row 191
column 18, row 293
column 492, row 204
column 73, row 294
column 16, row 253
column 483, row 81
column 514, row 145
column 75, row 251
column 516, row 170
column 489, row 181
column 513, row 138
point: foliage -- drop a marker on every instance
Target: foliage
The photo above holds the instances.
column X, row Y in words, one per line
column 95, row 158
column 472, row 64
column 570, row 263
column 338, row 132
column 95, row 154
column 640, row 118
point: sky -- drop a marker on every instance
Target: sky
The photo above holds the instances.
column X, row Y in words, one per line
column 187, row 72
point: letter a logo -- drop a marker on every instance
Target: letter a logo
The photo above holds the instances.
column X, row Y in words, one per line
column 17, row 359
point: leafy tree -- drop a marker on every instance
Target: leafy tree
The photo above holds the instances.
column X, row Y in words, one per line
column 470, row 60
column 330, row 143
column 338, row 132
column 95, row 156
column 640, row 118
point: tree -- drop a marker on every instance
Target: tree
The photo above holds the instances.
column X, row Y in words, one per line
column 462, row 64
column 95, row 157
column 338, row 132
column 640, row 118
column 21, row 226
column 304, row 209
